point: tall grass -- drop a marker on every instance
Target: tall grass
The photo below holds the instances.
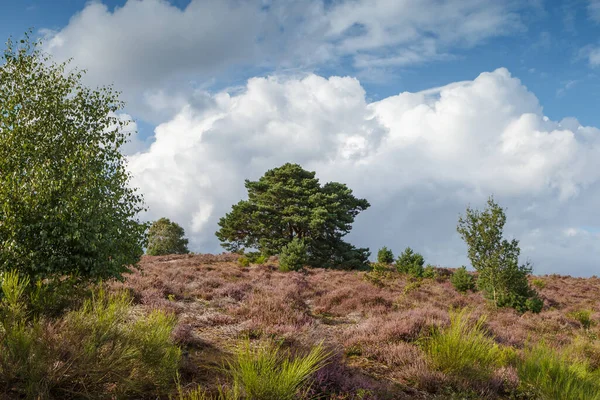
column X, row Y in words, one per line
column 464, row 349
column 98, row 351
column 107, row 346
column 267, row 372
column 545, row 374
column 584, row 317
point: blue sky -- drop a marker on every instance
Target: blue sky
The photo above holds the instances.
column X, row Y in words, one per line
column 545, row 54
column 498, row 97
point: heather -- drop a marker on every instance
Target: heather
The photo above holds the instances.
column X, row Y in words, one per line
column 383, row 340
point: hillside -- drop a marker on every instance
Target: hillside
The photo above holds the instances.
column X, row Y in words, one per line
column 377, row 324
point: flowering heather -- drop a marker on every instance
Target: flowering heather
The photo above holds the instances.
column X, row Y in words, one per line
column 376, row 323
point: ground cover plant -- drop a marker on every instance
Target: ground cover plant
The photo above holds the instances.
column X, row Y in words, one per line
column 98, row 350
column 386, row 342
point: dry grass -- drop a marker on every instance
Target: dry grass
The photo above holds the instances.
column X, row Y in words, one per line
column 373, row 323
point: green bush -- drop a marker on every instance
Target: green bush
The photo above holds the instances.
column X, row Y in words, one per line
column 410, row 263
column 584, row 317
column 534, row 304
column 293, row 256
column 243, row 261
column 380, row 268
column 429, row 272
column 97, row 351
column 385, row 256
column 546, row 374
column 464, row 350
column 538, row 283
column 462, row 280
column 521, row 303
column 267, row 373
column 109, row 348
column 256, row 257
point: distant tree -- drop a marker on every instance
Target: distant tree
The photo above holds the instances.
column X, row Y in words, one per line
column 166, row 237
column 287, row 203
column 500, row 277
column 410, row 263
column 462, row 280
column 385, row 256
column 67, row 208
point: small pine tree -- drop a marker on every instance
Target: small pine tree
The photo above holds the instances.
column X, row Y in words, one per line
column 293, row 256
column 166, row 237
column 462, row 280
column 385, row 256
column 429, row 272
column 410, row 263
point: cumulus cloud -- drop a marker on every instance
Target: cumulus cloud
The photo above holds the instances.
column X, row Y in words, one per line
column 145, row 44
column 419, row 158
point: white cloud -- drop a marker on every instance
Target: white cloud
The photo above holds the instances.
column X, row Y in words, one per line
column 146, row 44
column 419, row 158
column 594, row 57
column 410, row 32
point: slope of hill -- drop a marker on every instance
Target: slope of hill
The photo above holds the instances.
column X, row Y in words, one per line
column 377, row 324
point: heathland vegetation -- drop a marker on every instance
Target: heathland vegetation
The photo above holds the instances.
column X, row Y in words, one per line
column 293, row 311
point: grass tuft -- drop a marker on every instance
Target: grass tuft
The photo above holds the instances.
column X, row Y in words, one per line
column 546, row 374
column 463, row 349
column 267, row 372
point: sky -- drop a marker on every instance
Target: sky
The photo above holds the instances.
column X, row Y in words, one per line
column 421, row 106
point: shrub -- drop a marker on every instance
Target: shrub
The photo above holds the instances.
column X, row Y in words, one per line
column 462, row 280
column 534, row 304
column 97, row 351
column 546, row 374
column 380, row 268
column 429, row 272
column 243, row 261
column 412, row 286
column 166, row 237
column 385, row 256
column 105, row 347
column 267, row 372
column 463, row 349
column 521, row 303
column 261, row 259
column 538, row 283
column 583, row 316
column 293, row 256
column 410, row 263
column 256, row 257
